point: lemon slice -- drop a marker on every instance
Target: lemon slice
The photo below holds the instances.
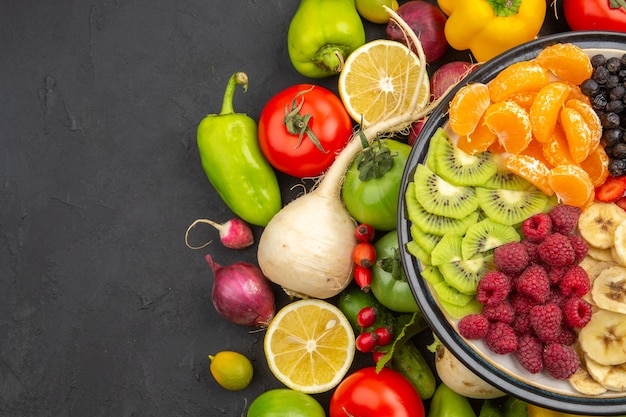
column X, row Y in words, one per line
column 378, row 81
column 309, row 346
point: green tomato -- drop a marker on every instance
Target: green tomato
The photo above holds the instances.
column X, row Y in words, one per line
column 389, row 283
column 283, row 402
column 375, row 201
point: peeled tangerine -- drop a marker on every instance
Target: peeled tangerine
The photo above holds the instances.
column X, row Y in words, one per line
column 572, row 185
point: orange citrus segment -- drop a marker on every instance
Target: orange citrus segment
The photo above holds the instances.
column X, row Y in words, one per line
column 378, row 82
column 576, row 93
column 511, row 124
column 597, row 166
column 535, row 149
column 571, row 184
column 556, row 149
column 567, row 61
column 590, row 117
column 531, row 169
column 309, row 345
column 467, row 107
column 578, row 134
column 478, row 141
column 544, row 112
column 524, row 99
column 519, row 77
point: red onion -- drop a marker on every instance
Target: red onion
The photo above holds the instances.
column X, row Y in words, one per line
column 448, row 75
column 242, row 294
column 428, row 23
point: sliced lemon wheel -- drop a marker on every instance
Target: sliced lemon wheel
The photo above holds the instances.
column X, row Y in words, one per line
column 378, row 81
column 309, row 346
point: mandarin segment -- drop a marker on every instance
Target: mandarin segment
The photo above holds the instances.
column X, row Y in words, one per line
column 578, row 134
column 571, row 184
column 597, row 166
column 544, row 112
column 467, row 108
column 535, row 149
column 478, row 141
column 511, row 124
column 519, row 77
column 590, row 117
column 531, row 169
column 567, row 61
column 556, row 149
column 524, row 99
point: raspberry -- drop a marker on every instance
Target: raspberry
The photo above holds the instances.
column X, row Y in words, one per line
column 529, row 353
column 556, row 250
column 501, row 338
column 500, row 312
column 555, row 273
column 493, row 288
column 564, row 218
column 531, row 249
column 522, row 303
column 511, row 258
column 546, row 320
column 537, row 227
column 561, row 361
column 580, row 247
column 521, row 324
column 534, row 283
column 473, row 326
column 576, row 312
column 567, row 336
column 556, row 297
column 575, row 282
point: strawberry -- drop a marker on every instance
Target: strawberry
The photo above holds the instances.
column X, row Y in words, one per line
column 612, row 190
column 621, row 203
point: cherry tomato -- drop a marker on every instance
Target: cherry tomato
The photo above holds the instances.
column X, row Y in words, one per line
column 365, row 393
column 364, row 254
column 302, row 128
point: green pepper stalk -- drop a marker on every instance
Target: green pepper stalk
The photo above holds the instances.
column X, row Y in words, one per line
column 322, row 34
column 233, row 161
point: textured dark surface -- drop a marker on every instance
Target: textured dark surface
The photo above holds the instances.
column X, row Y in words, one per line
column 103, row 309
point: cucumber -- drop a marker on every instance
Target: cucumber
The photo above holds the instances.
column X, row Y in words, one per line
column 407, row 359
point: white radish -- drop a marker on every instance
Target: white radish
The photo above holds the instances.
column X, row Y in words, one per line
column 306, row 247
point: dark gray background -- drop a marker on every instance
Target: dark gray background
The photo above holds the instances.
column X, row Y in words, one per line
column 103, row 309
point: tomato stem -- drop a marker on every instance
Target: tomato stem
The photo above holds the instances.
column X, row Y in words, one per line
column 298, row 124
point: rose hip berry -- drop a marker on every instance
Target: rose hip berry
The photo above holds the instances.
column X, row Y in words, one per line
column 366, row 317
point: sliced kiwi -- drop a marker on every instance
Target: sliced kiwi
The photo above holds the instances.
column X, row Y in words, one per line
column 448, row 249
column 427, row 241
column 509, row 206
column 458, row 167
column 444, row 291
column 458, row 312
column 465, row 274
column 440, row 197
column 504, row 179
column 416, row 250
column 483, row 237
column 433, row 224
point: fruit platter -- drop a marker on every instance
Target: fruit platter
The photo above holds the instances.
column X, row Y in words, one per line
column 509, row 243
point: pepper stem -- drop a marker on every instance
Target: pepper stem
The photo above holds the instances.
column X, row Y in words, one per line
column 235, row 79
column 331, row 57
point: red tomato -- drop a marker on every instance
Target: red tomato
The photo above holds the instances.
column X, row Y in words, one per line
column 298, row 155
column 365, row 393
column 595, row 15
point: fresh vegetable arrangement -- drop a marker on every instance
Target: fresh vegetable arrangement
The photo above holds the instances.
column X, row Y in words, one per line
column 344, row 228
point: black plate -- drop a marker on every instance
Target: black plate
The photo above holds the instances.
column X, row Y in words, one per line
column 511, row 384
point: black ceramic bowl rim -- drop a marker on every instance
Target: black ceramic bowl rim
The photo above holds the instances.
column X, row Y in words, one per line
column 437, row 320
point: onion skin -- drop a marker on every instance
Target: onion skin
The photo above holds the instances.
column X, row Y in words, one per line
column 449, row 75
column 241, row 294
column 428, row 22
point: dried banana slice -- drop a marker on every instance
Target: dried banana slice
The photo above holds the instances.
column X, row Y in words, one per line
column 584, row 383
column 609, row 289
column 603, row 339
column 598, row 222
column 612, row 377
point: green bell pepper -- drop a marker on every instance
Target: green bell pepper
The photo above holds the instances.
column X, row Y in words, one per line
column 448, row 403
column 322, row 34
column 389, row 283
column 233, row 161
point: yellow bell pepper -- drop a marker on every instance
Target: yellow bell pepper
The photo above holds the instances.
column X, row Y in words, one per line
column 490, row 27
column 535, row 411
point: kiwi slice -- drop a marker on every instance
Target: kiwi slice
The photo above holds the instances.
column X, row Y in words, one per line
column 458, row 167
column 503, row 179
column 457, row 312
column 427, row 241
column 465, row 274
column 431, row 223
column 448, row 249
column 416, row 250
column 483, row 237
column 441, row 198
column 509, row 206
column 444, row 291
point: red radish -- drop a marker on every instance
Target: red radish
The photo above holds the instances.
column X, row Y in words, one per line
column 448, row 75
column 428, row 23
column 241, row 293
column 234, row 234
column 416, row 128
